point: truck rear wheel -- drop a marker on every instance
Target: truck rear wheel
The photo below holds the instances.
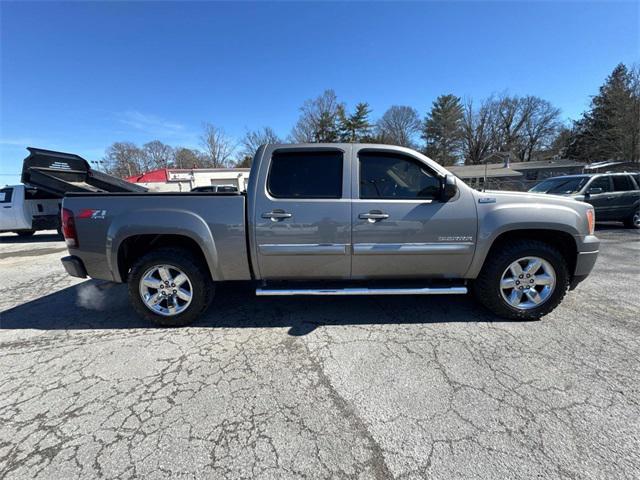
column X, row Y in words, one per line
column 523, row 280
column 168, row 287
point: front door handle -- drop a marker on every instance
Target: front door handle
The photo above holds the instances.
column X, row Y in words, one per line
column 8, row 206
column 373, row 216
column 277, row 215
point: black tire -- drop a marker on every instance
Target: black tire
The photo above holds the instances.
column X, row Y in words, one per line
column 486, row 288
column 630, row 221
column 202, row 286
column 26, row 233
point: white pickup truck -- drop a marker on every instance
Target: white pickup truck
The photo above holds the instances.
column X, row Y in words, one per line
column 24, row 210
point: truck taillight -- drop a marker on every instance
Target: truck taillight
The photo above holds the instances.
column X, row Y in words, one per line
column 69, row 228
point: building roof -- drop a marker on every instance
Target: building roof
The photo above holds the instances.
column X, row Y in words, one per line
column 477, row 171
column 167, row 174
column 535, row 165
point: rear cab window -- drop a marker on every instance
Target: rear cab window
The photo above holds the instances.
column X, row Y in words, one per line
column 306, row 174
column 395, row 176
column 5, row 195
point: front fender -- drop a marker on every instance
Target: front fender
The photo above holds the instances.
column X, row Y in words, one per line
column 161, row 221
column 496, row 219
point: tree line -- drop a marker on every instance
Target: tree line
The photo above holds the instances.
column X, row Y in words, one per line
column 452, row 131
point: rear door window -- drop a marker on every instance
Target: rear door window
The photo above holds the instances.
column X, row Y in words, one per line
column 622, row 183
column 306, row 174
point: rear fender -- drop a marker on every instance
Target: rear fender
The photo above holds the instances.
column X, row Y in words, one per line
column 161, row 222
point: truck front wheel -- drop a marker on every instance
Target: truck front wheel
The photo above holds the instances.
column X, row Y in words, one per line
column 522, row 280
column 168, row 287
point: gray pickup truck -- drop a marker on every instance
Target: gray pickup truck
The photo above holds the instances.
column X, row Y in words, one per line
column 334, row 219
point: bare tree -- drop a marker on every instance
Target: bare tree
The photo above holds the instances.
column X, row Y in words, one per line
column 511, row 116
column 318, row 121
column 399, row 125
column 541, row 127
column 252, row 140
column 478, row 131
column 218, row 147
column 124, row 159
column 158, row 155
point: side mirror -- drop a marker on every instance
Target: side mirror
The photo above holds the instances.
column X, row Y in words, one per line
column 594, row 191
column 449, row 188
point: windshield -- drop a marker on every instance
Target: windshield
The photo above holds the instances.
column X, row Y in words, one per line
column 560, row 186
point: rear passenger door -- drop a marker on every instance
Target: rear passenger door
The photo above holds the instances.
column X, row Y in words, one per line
column 303, row 215
column 626, row 195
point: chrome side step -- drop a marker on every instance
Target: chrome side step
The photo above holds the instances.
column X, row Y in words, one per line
column 266, row 292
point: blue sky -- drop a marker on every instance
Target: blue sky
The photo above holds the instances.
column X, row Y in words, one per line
column 78, row 76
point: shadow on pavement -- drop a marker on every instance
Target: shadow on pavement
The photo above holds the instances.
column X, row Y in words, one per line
column 36, row 238
column 102, row 305
column 611, row 226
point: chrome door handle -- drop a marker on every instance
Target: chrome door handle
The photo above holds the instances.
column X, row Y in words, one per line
column 373, row 216
column 276, row 215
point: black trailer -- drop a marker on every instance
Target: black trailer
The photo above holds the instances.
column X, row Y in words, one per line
column 58, row 173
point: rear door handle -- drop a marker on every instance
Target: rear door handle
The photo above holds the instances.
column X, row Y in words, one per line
column 277, row 215
column 373, row 215
column 7, row 206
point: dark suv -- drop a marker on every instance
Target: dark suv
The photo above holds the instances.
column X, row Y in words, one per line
column 614, row 196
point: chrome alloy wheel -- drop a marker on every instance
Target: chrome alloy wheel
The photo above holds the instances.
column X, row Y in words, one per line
column 527, row 283
column 166, row 290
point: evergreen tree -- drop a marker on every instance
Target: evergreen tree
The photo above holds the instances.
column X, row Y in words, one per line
column 610, row 129
column 442, row 129
column 355, row 127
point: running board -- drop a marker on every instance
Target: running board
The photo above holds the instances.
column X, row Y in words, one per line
column 265, row 292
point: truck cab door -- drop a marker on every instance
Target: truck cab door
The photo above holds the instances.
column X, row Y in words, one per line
column 401, row 228
column 8, row 219
column 302, row 214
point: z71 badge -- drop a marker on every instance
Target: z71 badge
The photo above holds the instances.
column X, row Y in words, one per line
column 92, row 214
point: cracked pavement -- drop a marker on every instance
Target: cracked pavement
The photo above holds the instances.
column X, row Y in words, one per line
column 401, row 387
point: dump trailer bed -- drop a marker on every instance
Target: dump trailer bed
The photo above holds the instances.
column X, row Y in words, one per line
column 59, row 173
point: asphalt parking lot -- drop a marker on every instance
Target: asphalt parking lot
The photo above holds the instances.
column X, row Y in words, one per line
column 405, row 387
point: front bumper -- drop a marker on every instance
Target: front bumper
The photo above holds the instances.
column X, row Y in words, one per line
column 74, row 266
column 588, row 249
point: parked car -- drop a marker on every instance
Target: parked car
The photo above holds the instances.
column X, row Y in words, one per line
column 25, row 210
column 334, row 219
column 614, row 196
column 215, row 189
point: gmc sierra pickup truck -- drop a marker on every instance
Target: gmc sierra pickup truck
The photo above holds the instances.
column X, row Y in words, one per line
column 334, row 219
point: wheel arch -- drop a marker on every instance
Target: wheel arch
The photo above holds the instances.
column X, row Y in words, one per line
column 134, row 246
column 141, row 231
column 560, row 239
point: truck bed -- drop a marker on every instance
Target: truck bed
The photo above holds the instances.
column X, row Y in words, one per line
column 216, row 222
